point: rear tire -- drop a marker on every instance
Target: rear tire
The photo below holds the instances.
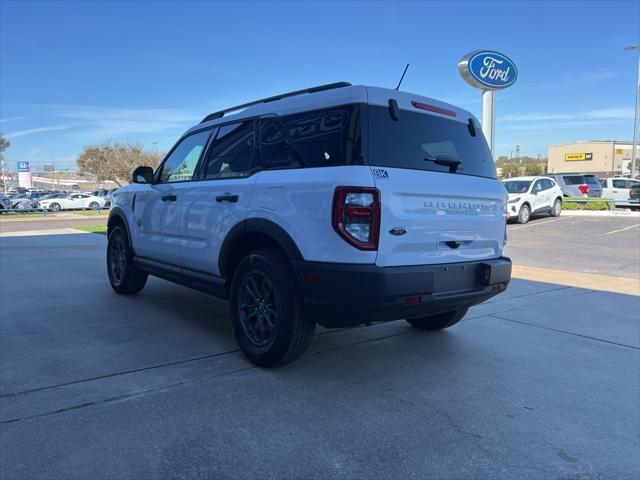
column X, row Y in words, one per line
column 94, row 206
column 55, row 207
column 438, row 321
column 266, row 310
column 557, row 208
column 524, row 214
column 124, row 276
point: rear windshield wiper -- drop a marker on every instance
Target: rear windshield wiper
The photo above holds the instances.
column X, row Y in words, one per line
column 445, row 161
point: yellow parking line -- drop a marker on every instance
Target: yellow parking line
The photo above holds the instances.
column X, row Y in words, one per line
column 592, row 281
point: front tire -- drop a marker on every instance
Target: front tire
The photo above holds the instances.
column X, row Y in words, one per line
column 557, row 208
column 55, row 207
column 94, row 206
column 524, row 214
column 124, row 277
column 438, row 321
column 266, row 310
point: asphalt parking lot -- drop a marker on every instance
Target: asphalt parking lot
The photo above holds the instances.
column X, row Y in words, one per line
column 542, row 381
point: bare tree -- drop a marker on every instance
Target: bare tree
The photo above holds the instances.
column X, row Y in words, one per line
column 116, row 161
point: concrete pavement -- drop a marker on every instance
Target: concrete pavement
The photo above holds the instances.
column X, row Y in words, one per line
column 540, row 382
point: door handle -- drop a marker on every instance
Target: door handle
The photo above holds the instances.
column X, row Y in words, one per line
column 168, row 198
column 227, row 197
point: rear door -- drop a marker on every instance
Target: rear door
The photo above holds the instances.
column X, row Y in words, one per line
column 218, row 200
column 431, row 214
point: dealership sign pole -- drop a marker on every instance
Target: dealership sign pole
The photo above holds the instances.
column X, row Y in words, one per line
column 489, row 71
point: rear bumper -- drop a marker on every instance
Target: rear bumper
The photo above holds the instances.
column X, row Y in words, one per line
column 343, row 295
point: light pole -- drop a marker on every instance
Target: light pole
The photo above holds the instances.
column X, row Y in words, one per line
column 635, row 115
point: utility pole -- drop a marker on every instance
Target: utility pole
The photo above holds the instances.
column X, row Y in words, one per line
column 635, row 115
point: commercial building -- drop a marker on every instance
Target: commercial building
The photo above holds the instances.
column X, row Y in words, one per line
column 604, row 158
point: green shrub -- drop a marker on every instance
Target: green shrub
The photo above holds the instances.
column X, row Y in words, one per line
column 584, row 203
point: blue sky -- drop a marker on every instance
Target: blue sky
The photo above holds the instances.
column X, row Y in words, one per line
column 79, row 73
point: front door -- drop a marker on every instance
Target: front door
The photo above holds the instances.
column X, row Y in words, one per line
column 157, row 214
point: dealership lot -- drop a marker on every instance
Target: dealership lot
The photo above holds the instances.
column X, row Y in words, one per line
column 540, row 382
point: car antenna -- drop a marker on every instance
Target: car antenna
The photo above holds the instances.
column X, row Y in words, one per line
column 402, row 77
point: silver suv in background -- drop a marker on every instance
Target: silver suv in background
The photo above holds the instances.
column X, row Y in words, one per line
column 595, row 186
column 572, row 184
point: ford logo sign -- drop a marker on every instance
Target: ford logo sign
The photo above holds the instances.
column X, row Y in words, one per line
column 488, row 70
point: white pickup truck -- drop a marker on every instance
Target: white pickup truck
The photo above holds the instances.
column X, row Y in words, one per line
column 618, row 189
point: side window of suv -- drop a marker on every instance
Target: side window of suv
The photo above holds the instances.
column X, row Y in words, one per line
column 619, row 184
column 180, row 165
column 319, row 138
column 276, row 151
column 231, row 153
column 538, row 186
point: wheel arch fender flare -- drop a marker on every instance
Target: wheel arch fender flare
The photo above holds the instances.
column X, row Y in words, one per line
column 261, row 226
column 117, row 217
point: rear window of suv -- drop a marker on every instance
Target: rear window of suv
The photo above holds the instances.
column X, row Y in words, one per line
column 415, row 137
column 592, row 180
column 574, row 180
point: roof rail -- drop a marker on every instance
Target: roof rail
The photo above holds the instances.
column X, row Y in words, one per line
column 329, row 86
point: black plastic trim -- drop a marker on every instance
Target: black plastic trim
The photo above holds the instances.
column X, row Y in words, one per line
column 343, row 295
column 201, row 281
column 257, row 225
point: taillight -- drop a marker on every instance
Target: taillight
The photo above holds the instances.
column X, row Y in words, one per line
column 356, row 216
column 584, row 189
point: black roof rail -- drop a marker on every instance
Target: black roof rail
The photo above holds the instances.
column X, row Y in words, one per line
column 328, row 86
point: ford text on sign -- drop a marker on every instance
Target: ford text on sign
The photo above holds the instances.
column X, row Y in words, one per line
column 488, row 70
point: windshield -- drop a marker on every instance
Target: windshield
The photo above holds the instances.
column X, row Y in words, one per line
column 519, row 186
column 415, row 138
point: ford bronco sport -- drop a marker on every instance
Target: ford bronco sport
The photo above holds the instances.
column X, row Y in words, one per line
column 339, row 205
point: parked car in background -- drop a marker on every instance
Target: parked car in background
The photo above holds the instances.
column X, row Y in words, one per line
column 619, row 188
column 5, row 202
column 595, row 187
column 531, row 196
column 26, row 201
column 572, row 184
column 104, row 193
column 634, row 192
column 74, row 201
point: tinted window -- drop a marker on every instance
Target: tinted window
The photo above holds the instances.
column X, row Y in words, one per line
column 619, row 183
column 407, row 142
column 547, row 184
column 592, row 180
column 275, row 147
column 231, row 153
column 318, row 138
column 181, row 163
column 574, row 180
column 517, row 186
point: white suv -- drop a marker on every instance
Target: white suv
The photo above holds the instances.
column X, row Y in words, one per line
column 531, row 196
column 339, row 205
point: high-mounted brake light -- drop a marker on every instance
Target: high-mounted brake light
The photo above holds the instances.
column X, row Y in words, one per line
column 356, row 216
column 433, row 108
column 584, row 189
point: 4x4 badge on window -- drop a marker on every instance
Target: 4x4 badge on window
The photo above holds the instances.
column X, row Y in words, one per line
column 380, row 173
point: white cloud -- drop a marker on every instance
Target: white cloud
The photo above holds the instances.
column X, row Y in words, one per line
column 103, row 123
column 31, row 131
column 617, row 113
column 598, row 114
column 535, row 117
column 11, row 119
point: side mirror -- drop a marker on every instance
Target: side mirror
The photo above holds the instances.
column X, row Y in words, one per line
column 143, row 175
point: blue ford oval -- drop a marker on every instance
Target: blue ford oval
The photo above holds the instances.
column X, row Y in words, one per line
column 491, row 70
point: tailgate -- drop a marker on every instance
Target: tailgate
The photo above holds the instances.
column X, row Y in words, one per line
column 433, row 217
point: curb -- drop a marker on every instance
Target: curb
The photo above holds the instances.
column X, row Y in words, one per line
column 604, row 213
